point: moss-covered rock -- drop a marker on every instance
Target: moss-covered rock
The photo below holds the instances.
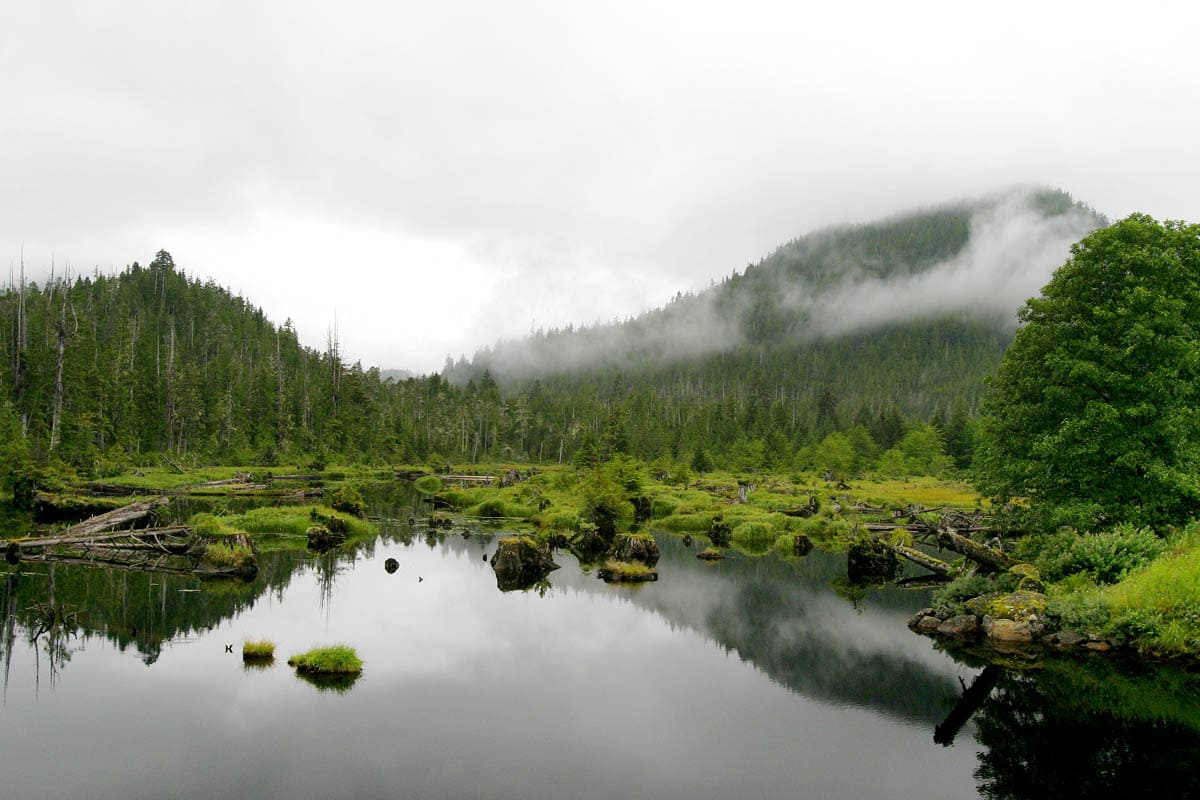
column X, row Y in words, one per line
column 1028, row 577
column 1019, row 606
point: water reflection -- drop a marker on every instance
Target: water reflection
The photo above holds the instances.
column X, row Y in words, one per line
column 539, row 693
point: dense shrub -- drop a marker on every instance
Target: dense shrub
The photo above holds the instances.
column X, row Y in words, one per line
column 1106, row 557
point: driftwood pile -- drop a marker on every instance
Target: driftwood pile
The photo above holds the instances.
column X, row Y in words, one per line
column 950, row 532
column 113, row 540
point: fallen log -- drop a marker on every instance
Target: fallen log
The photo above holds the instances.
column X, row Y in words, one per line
column 121, row 516
column 43, row 542
column 986, row 557
column 934, row 565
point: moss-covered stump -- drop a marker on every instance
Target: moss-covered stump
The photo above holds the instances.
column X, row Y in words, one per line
column 519, row 562
column 587, row 545
column 321, row 538
column 615, row 571
column 350, row 501
column 710, row 554
column 869, row 561
column 720, row 532
column 335, row 524
column 224, row 556
column 639, row 547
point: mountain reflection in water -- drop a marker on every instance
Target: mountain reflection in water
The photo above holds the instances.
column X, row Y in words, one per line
column 582, row 689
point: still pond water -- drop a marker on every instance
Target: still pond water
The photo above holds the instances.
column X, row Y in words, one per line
column 750, row 678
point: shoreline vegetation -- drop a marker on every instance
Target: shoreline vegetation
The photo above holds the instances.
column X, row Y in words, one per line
column 1124, row 590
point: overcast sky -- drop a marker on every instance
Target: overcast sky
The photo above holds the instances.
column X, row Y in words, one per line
column 439, row 174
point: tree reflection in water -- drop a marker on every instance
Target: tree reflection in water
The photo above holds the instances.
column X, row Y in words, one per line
column 1084, row 729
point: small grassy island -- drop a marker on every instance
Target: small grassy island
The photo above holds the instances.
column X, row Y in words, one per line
column 336, row 660
column 260, row 650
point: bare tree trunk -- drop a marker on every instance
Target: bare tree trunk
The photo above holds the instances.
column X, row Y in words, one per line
column 60, row 329
column 20, row 354
column 169, row 401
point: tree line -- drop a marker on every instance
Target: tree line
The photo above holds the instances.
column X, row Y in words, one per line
column 104, row 371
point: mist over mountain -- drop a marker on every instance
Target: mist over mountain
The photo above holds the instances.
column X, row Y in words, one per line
column 969, row 262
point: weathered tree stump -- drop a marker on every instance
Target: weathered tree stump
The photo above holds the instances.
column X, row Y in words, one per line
column 870, row 561
column 638, row 547
column 720, row 532
column 520, row 562
column 321, row 538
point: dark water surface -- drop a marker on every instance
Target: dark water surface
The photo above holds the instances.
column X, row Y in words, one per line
column 755, row 678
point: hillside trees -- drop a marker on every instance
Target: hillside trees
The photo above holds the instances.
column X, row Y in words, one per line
column 1093, row 410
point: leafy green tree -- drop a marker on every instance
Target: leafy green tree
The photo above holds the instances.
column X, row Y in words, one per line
column 1093, row 410
column 924, row 451
column 835, row 453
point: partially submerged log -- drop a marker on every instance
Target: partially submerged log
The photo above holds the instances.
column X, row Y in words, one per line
column 126, row 515
column 175, row 550
column 155, row 537
column 986, row 557
column 934, row 565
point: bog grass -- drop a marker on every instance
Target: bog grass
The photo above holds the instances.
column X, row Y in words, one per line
column 225, row 555
column 335, row 660
column 260, row 649
column 292, row 520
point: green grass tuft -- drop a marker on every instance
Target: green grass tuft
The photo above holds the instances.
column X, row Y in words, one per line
column 228, row 555
column 335, row 660
column 428, row 484
column 262, row 648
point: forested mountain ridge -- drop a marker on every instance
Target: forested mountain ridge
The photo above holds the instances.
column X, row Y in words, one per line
column 961, row 263
column 910, row 312
column 753, row 372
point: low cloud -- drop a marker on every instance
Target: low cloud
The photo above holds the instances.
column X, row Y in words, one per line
column 1012, row 250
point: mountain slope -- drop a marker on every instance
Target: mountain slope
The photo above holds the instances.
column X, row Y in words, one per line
column 982, row 257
